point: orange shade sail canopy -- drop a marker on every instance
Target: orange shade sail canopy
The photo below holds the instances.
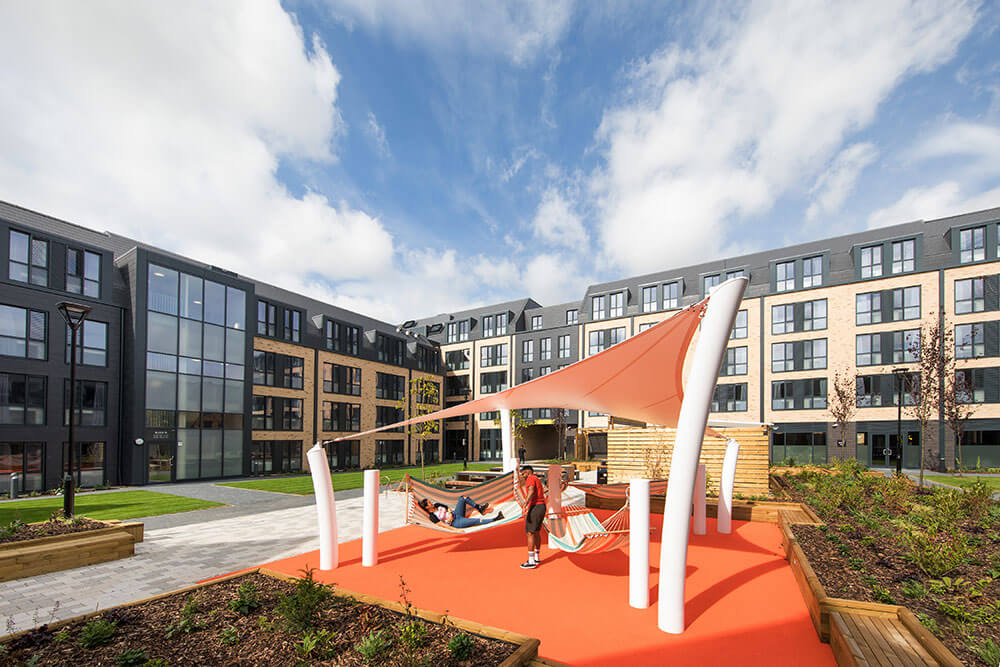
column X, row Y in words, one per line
column 639, row 378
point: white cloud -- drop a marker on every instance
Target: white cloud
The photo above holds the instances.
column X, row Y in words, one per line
column 978, row 143
column 837, row 182
column 516, row 29
column 557, row 224
column 518, row 160
column 377, row 134
column 929, row 203
column 757, row 108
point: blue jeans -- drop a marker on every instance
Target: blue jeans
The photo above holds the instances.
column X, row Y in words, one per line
column 462, row 521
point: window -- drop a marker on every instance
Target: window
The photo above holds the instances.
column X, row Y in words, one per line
column 602, row 340
column 88, row 461
column 291, row 415
column 969, row 385
column 867, row 389
column 782, row 396
column 970, row 341
column 739, row 326
column 617, row 304
column 738, row 273
column 527, row 374
column 572, row 316
column 456, row 360
column 502, row 324
column 29, row 259
column 427, row 393
column 292, row 330
column 487, row 326
column 25, row 458
column 267, row 319
column 490, row 383
column 392, row 350
column 597, row 308
column 969, row 296
column 906, row 303
column 709, row 283
column 162, row 290
column 650, row 325
column 91, row 403
column 972, row 245
column 22, row 399
column 389, row 452
column 386, row 414
column 903, row 253
column 536, row 322
column 735, row 362
column 544, row 370
column 564, row 350
column 544, row 349
column 291, row 377
column 649, row 299
column 782, row 357
column 263, row 368
column 815, row 393
column 452, row 332
column 457, row 385
column 91, row 343
column 730, row 398
column 868, row 308
column 814, row 354
column 783, row 319
column 22, row 333
column 342, row 338
column 428, row 359
column 671, row 296
column 784, row 273
column 493, row 355
column 812, row 271
column 871, row 261
column 390, row 387
column 463, row 330
column 868, row 349
column 814, row 315
column 527, row 351
column 262, row 414
column 83, row 272
column 906, row 346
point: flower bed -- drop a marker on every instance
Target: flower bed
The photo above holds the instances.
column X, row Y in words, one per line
column 261, row 618
column 936, row 553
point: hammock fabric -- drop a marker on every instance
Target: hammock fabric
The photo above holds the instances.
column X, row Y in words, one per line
column 618, row 490
column 577, row 530
column 498, row 492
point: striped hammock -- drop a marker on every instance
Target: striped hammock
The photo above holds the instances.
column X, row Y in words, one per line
column 497, row 492
column 577, row 530
column 618, row 490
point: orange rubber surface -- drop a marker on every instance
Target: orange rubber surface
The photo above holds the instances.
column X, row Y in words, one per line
column 742, row 603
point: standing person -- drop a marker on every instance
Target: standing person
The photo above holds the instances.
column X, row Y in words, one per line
column 534, row 516
column 522, row 452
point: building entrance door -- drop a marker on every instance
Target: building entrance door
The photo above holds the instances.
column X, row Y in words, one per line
column 884, row 450
column 160, row 460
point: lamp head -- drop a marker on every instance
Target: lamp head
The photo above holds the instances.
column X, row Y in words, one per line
column 74, row 313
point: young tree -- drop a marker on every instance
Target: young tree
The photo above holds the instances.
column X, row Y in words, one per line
column 932, row 351
column 423, row 398
column 958, row 406
column 842, row 403
column 560, row 422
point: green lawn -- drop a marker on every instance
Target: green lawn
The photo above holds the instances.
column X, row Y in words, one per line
column 120, row 505
column 350, row 480
column 992, row 482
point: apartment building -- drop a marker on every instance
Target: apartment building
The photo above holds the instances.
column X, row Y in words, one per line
column 188, row 371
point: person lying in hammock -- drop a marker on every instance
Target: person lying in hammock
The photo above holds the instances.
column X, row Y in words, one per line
column 457, row 519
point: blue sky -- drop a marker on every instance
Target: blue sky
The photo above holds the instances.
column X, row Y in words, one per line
column 407, row 158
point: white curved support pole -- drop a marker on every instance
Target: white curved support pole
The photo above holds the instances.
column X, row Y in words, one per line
column 369, row 520
column 638, row 543
column 706, row 360
column 326, row 511
column 507, row 455
column 725, row 520
column 699, row 500
column 554, row 479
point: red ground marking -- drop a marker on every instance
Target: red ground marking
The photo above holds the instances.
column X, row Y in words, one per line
column 742, row 603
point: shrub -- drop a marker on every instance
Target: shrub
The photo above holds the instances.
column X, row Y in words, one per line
column 247, row 600
column 413, row 633
column 987, row 650
column 229, row 636
column 301, row 609
column 978, row 499
column 914, row 588
column 97, row 632
column 937, row 550
column 372, row 646
column 882, row 594
column 461, row 646
column 132, row 658
column 318, row 645
column 189, row 622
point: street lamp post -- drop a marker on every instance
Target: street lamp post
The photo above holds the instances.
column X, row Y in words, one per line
column 900, row 373
column 75, row 314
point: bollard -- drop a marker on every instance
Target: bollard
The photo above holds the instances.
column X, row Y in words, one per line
column 638, row 543
column 14, row 479
column 326, row 511
column 369, row 520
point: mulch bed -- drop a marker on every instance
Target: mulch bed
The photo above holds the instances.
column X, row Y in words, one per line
column 857, row 562
column 31, row 531
column 223, row 636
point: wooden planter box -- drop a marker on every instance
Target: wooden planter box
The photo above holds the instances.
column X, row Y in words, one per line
column 823, row 608
column 526, row 652
column 743, row 510
column 65, row 552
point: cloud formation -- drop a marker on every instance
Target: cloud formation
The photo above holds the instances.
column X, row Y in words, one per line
column 835, row 184
column 556, row 223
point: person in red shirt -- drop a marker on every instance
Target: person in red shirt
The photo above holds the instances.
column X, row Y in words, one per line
column 535, row 493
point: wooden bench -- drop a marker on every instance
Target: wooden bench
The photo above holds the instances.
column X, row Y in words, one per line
column 875, row 639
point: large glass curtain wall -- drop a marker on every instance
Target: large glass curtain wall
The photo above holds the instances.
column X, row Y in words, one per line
column 195, row 355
